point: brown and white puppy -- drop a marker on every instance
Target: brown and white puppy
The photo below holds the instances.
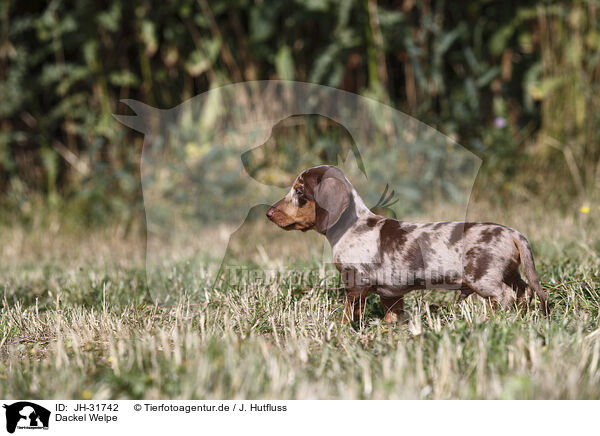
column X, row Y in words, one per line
column 389, row 257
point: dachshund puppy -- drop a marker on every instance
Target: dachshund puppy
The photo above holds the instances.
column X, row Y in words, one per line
column 390, row 257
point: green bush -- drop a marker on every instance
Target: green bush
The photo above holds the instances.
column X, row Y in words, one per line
column 457, row 66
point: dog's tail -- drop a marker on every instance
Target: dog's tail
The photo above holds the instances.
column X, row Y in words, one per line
column 529, row 269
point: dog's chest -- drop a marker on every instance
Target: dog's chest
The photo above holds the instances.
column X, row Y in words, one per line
column 357, row 247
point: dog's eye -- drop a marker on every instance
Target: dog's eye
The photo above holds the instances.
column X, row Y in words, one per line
column 299, row 192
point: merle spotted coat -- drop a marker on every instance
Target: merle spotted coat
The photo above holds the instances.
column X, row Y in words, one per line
column 390, row 257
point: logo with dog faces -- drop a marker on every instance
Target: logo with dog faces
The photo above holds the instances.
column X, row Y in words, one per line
column 213, row 165
column 25, row 415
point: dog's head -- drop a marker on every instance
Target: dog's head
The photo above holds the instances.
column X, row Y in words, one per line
column 317, row 200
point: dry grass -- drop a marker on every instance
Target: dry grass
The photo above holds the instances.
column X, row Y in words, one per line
column 78, row 321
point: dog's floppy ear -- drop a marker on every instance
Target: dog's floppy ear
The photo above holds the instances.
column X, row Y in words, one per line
column 331, row 200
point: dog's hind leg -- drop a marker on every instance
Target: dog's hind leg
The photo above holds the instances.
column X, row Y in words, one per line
column 524, row 292
column 506, row 298
column 500, row 293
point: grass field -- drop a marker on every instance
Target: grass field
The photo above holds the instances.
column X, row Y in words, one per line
column 77, row 321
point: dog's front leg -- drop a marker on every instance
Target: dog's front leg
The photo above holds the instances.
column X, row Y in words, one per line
column 354, row 304
column 393, row 308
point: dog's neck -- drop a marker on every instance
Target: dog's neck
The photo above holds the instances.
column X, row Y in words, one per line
column 356, row 211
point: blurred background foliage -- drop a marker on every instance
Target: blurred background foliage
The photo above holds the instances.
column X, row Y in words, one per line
column 516, row 82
